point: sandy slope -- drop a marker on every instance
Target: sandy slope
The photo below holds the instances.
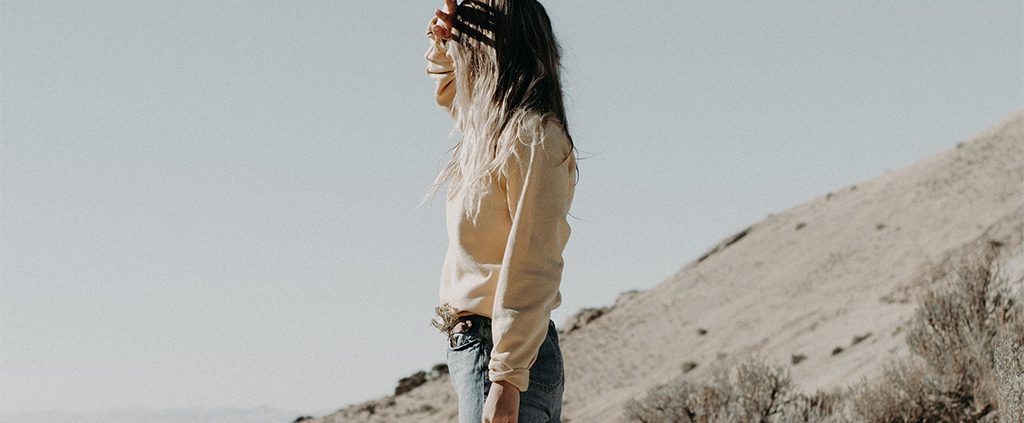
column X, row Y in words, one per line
column 803, row 282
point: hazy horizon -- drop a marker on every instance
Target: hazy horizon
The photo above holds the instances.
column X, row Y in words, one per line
column 213, row 204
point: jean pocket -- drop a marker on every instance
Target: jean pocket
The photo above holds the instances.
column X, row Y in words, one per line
column 547, row 372
column 464, row 340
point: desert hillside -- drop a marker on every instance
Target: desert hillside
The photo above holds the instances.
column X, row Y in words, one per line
column 824, row 286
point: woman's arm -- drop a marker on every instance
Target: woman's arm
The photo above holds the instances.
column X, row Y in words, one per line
column 538, row 193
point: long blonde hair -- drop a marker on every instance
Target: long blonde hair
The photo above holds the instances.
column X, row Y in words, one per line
column 507, row 65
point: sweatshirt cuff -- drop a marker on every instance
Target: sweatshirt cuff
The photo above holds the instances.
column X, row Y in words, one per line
column 520, row 378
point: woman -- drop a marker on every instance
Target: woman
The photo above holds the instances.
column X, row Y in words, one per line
column 511, row 180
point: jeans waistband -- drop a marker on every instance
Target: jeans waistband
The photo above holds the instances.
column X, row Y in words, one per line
column 472, row 323
column 482, row 322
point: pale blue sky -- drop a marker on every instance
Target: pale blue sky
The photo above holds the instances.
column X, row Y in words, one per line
column 211, row 203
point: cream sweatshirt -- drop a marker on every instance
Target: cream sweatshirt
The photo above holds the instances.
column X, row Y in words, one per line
column 508, row 266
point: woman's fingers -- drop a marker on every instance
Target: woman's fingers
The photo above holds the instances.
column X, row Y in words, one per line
column 443, row 29
column 448, row 18
column 440, row 31
column 446, row 21
column 444, row 17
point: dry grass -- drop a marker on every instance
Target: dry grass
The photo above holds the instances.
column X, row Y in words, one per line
column 753, row 391
column 967, row 340
column 957, row 373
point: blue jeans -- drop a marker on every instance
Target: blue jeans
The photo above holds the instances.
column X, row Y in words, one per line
column 468, row 357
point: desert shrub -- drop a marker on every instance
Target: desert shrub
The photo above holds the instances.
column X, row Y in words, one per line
column 753, row 391
column 760, row 390
column 967, row 340
column 906, row 392
column 822, row 406
column 967, row 311
column 664, row 403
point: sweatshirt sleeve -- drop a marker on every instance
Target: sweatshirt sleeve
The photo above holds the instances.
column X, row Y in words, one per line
column 440, row 68
column 531, row 271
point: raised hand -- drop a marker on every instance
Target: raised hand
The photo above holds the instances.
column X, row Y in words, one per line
column 445, row 21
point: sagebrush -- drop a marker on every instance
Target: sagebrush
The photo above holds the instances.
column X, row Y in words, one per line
column 753, row 391
column 966, row 338
column 967, row 365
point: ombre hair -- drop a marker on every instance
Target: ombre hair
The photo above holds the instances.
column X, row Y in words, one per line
column 507, row 66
